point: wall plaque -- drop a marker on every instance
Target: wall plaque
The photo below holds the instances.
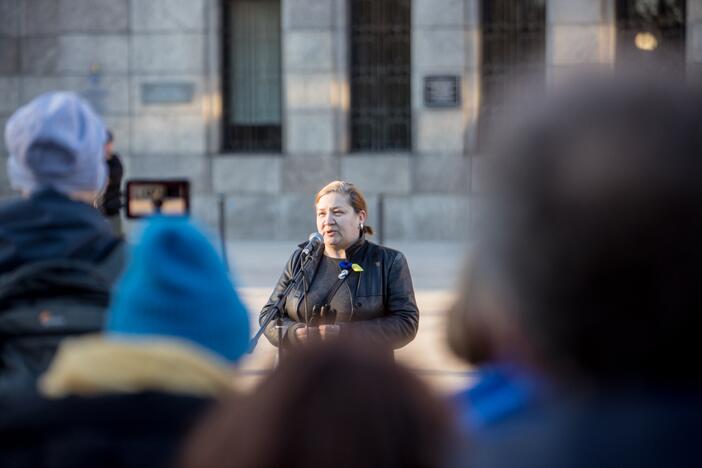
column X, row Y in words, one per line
column 442, row 91
column 167, row 93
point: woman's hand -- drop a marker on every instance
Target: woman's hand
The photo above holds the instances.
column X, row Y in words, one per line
column 326, row 332
column 301, row 335
column 329, row 332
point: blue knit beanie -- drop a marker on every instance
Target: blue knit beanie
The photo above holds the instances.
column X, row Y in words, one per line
column 176, row 285
column 56, row 141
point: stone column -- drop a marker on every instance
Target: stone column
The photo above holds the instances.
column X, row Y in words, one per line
column 315, row 89
column 581, row 36
column 694, row 41
column 445, row 41
column 9, row 77
column 75, row 45
column 167, row 83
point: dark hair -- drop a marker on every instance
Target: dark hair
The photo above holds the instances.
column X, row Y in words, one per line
column 109, row 137
column 328, row 406
column 596, row 231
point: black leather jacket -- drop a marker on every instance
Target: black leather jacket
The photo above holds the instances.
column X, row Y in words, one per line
column 384, row 310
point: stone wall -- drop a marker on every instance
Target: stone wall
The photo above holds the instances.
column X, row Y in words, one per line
column 78, row 45
column 9, row 76
column 580, row 37
column 694, row 41
column 425, row 193
column 115, row 51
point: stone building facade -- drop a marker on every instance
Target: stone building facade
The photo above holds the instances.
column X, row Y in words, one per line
column 156, row 71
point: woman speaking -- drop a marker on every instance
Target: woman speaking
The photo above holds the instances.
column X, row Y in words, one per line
column 349, row 287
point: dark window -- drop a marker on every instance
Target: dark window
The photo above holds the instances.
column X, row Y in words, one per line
column 252, row 76
column 651, row 35
column 381, row 114
column 513, row 55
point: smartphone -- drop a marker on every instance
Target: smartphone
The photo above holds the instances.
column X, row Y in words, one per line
column 169, row 197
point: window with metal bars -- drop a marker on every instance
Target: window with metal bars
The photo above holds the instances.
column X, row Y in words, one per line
column 381, row 114
column 251, row 76
column 513, row 56
column 651, row 36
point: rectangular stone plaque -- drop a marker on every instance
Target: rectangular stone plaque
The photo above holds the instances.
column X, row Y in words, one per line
column 167, row 93
column 442, row 91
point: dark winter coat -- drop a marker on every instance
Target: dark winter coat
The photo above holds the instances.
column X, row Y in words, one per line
column 609, row 428
column 58, row 261
column 108, row 431
column 112, row 402
column 383, row 307
column 47, row 226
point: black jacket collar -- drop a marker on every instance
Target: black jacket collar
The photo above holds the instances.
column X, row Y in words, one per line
column 356, row 248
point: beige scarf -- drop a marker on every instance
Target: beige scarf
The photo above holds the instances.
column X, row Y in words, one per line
column 95, row 365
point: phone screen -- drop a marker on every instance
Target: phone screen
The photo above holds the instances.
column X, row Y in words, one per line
column 155, row 196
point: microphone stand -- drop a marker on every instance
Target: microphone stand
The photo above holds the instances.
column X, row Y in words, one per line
column 277, row 310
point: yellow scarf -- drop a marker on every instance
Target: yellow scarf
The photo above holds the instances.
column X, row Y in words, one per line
column 95, row 365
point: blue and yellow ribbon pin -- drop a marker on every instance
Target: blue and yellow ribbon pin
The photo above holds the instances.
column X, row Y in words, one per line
column 348, row 265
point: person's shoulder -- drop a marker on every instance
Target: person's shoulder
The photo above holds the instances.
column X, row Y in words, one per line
column 294, row 257
column 297, row 251
column 115, row 258
column 115, row 160
column 13, row 204
column 387, row 252
column 18, row 209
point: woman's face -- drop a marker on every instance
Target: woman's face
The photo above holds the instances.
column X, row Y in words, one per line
column 337, row 221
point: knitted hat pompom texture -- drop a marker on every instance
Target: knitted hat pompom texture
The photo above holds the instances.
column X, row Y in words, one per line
column 176, row 285
column 56, row 141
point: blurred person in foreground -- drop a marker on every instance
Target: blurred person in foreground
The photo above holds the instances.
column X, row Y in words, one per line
column 58, row 256
column 56, row 162
column 504, row 387
column 111, row 200
column 366, row 288
column 128, row 397
column 594, row 255
column 328, row 405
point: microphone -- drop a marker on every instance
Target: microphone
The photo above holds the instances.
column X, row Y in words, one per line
column 313, row 242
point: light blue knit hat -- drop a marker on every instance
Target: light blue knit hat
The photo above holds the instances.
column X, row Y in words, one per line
column 177, row 285
column 56, row 141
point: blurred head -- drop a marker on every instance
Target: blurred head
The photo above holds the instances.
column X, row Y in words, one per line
column 470, row 321
column 341, row 214
column 56, row 141
column 330, row 406
column 595, row 231
column 176, row 285
column 479, row 318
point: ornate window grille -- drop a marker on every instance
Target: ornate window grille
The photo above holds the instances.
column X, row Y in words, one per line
column 251, row 66
column 381, row 114
column 513, row 56
column 651, row 35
